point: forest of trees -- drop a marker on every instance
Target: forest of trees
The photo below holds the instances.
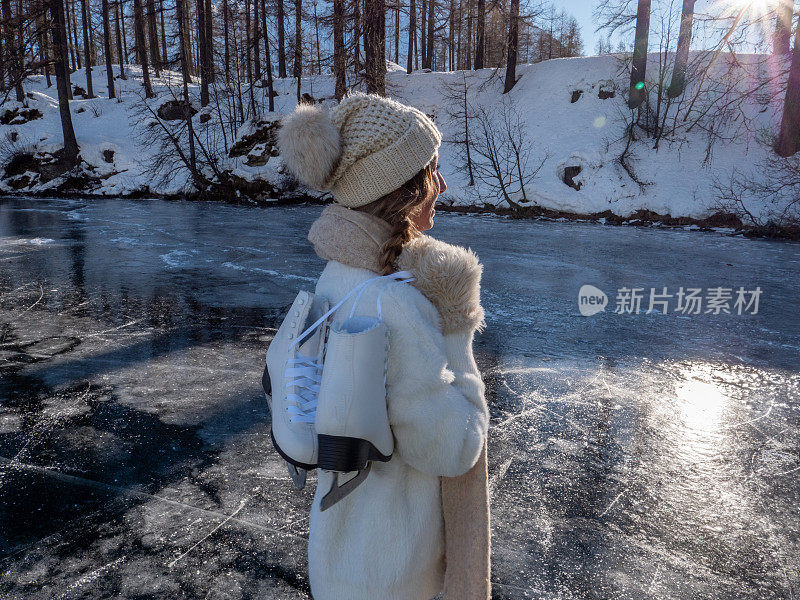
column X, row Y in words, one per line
column 242, row 44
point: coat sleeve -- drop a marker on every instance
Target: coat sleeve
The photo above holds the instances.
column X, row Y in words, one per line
column 435, row 393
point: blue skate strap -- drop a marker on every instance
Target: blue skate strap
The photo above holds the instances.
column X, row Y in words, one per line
column 399, row 275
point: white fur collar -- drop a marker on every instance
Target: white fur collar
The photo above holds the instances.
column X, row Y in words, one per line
column 450, row 277
column 447, row 274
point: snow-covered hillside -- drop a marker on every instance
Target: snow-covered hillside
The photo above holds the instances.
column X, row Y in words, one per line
column 571, row 112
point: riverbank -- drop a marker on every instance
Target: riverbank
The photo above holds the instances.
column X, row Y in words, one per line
column 570, row 115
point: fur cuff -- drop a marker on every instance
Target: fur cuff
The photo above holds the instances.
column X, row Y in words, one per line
column 450, row 277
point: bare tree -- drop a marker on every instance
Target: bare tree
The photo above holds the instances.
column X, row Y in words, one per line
column 62, row 82
column 412, row 34
column 138, row 26
column 339, row 58
column 281, row 41
column 203, row 47
column 783, row 27
column 107, row 50
column 429, row 51
column 461, row 113
column 637, row 91
column 298, row 43
column 87, row 57
column 268, row 57
column 192, row 162
column 121, row 54
column 789, row 136
column 374, row 45
column 678, row 84
column 152, row 33
column 480, row 34
column 503, row 153
column 513, row 42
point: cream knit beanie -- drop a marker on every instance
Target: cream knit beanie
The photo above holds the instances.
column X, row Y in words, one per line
column 366, row 147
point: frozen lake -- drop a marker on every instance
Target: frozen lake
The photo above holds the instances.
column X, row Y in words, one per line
column 631, row 455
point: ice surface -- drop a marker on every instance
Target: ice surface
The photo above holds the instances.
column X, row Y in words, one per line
column 631, row 456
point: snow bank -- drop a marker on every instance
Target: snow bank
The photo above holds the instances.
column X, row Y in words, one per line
column 571, row 111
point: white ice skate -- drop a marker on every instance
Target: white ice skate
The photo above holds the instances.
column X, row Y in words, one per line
column 293, row 375
column 294, row 371
column 352, row 422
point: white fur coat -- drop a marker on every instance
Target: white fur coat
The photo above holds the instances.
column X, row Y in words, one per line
column 386, row 540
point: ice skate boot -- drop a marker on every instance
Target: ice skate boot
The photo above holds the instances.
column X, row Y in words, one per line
column 293, row 374
column 352, row 422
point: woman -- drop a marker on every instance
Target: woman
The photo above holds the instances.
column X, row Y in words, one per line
column 420, row 522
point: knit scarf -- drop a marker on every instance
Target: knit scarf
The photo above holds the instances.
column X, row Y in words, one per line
column 355, row 238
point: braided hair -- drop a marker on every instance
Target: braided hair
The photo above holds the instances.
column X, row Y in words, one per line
column 397, row 208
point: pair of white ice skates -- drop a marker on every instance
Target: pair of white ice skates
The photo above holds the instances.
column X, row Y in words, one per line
column 326, row 385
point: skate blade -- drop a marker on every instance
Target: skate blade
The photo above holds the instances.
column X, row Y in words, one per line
column 338, row 492
column 298, row 476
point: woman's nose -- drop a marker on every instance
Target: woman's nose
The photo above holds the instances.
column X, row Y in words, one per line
column 442, row 184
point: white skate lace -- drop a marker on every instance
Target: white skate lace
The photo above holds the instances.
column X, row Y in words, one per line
column 304, row 373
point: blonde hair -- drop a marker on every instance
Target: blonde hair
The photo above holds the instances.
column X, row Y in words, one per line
column 397, row 208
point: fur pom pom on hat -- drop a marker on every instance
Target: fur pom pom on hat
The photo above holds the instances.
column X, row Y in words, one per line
column 366, row 147
column 310, row 145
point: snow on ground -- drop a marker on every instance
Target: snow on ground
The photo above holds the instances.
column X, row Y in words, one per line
column 586, row 133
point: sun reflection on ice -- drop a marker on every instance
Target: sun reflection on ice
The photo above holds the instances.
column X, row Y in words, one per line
column 701, row 402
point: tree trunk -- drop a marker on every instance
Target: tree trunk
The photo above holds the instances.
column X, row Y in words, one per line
column 281, row 41
column 480, row 34
column 339, row 58
column 678, row 83
column 267, row 56
column 225, row 17
column 42, row 36
column 256, row 38
column 298, row 43
column 117, row 10
column 375, row 46
column 187, row 40
column 152, row 33
column 316, row 34
column 181, row 18
column 74, row 23
column 789, row 135
column 429, row 53
column 138, row 27
column 249, row 58
column 201, row 31
column 209, row 43
column 468, row 49
column 397, row 31
column 783, row 27
column 357, row 30
column 85, row 23
column 124, row 35
column 164, row 56
column 107, row 51
column 8, row 43
column 513, row 42
column 424, row 33
column 639, row 65
column 451, row 42
column 20, row 55
column 62, row 83
column 412, row 33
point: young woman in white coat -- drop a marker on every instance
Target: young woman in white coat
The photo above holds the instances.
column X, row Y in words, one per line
column 419, row 524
